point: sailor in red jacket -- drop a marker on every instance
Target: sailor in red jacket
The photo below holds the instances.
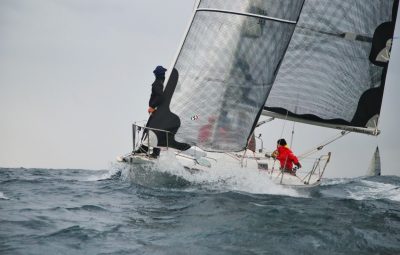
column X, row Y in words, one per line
column 286, row 157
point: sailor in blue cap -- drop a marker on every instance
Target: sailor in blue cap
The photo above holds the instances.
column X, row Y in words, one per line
column 156, row 98
column 157, row 89
column 159, row 72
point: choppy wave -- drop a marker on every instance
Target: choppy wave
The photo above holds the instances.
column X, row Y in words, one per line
column 163, row 209
column 372, row 188
column 366, row 189
column 2, row 196
column 167, row 172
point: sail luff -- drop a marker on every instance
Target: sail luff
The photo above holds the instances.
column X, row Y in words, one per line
column 173, row 63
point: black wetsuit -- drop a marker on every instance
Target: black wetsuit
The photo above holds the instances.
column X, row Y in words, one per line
column 156, row 98
column 157, row 89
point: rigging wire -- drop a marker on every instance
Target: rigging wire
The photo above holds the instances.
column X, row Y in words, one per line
column 284, row 124
column 322, row 145
column 292, row 137
column 294, row 123
column 283, row 129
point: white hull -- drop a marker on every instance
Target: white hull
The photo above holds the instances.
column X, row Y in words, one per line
column 195, row 160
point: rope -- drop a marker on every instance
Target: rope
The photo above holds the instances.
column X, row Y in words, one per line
column 322, row 145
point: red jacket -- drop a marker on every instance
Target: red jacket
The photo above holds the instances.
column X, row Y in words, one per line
column 286, row 156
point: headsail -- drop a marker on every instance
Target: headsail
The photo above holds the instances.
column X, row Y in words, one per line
column 308, row 59
column 225, row 70
column 334, row 71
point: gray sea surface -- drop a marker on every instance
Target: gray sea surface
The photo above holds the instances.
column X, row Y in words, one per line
column 126, row 210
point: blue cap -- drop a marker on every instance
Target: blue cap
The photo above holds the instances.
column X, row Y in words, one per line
column 159, row 71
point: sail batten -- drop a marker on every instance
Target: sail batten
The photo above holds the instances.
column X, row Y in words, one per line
column 247, row 14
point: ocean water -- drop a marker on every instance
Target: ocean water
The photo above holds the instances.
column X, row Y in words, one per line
column 166, row 210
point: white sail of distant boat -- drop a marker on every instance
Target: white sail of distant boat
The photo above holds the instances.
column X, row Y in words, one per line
column 320, row 62
column 375, row 166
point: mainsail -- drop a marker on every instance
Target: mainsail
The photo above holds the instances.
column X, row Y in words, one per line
column 314, row 60
column 333, row 73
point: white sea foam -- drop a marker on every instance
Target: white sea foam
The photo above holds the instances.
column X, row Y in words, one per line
column 225, row 177
column 99, row 175
column 336, row 181
column 375, row 190
column 2, row 196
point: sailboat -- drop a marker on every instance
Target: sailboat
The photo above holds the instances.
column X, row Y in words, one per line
column 319, row 62
column 375, row 166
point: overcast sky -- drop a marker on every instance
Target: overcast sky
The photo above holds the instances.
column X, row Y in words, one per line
column 74, row 75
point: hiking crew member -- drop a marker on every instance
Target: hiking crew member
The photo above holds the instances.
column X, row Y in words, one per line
column 156, row 98
column 286, row 157
column 157, row 89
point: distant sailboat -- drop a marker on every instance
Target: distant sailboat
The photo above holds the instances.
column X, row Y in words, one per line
column 319, row 62
column 375, row 166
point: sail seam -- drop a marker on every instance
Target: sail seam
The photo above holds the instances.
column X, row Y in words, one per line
column 247, row 14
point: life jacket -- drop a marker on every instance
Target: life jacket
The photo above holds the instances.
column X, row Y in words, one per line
column 286, row 157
